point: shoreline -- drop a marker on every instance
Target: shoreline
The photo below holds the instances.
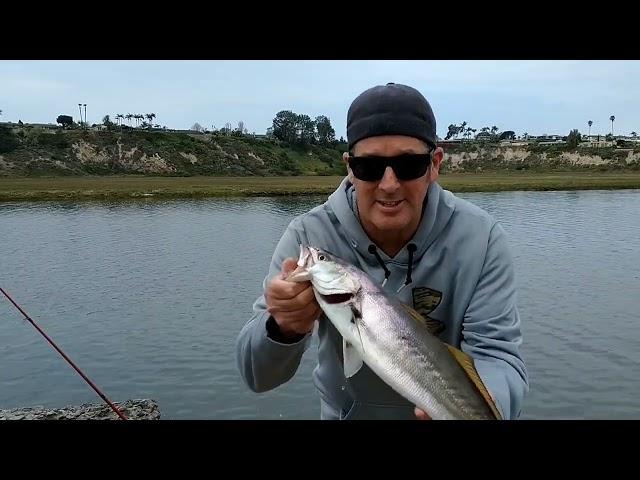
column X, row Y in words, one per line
column 136, row 187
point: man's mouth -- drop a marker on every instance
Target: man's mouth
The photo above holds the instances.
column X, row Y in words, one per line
column 389, row 204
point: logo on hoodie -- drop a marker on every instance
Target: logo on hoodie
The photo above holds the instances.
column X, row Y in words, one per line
column 425, row 301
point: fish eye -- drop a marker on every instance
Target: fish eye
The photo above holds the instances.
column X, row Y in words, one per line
column 321, row 257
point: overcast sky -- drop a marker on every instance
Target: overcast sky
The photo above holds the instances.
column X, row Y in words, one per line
column 537, row 97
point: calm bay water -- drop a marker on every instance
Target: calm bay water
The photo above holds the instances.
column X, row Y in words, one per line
column 147, row 297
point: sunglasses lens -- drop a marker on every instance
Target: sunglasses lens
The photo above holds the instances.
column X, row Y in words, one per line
column 367, row 169
column 405, row 167
column 410, row 167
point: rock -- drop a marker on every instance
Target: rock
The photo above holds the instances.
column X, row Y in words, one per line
column 138, row 409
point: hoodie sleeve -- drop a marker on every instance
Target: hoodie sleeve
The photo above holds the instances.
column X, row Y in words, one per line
column 265, row 361
column 491, row 332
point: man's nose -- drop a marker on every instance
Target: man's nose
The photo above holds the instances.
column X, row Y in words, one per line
column 389, row 181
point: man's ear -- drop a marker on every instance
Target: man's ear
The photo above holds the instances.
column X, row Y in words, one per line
column 345, row 158
column 438, row 155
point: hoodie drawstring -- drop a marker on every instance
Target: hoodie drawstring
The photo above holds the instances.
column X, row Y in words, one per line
column 411, row 249
column 387, row 272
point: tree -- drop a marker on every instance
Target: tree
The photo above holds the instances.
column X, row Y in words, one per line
column 284, row 126
column 590, row 122
column 451, row 131
column 150, row 117
column 612, row 118
column 241, row 126
column 455, row 130
column 508, row 135
column 65, row 120
column 573, row 139
column 196, row 127
column 326, row 133
column 634, row 135
column 306, row 129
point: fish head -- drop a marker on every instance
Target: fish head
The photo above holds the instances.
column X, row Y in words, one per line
column 337, row 288
column 331, row 278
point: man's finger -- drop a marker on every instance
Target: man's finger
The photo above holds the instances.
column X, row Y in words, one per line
column 420, row 414
column 284, row 290
column 288, row 266
column 300, row 301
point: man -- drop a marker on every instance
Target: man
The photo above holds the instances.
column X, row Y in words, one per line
column 448, row 258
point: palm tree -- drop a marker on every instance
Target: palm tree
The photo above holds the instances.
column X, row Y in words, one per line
column 612, row 118
column 462, row 128
column 150, row 117
column 129, row 116
column 590, row 122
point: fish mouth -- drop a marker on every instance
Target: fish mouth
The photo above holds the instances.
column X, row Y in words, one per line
column 337, row 298
column 301, row 273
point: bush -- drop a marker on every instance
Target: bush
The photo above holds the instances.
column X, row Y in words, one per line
column 8, row 141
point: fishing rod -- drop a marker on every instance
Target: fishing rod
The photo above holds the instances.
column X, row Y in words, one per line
column 113, row 407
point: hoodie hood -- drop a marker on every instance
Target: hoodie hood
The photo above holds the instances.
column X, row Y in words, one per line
column 438, row 209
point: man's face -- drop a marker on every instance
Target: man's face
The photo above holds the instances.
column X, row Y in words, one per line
column 392, row 207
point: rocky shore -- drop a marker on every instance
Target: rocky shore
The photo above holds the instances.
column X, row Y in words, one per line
column 138, row 409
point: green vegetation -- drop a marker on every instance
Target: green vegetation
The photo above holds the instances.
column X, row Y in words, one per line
column 131, row 186
column 33, row 152
column 123, row 162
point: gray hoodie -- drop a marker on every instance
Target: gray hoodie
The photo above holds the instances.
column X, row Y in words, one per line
column 462, row 280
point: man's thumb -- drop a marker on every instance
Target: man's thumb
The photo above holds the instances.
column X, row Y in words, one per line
column 289, row 265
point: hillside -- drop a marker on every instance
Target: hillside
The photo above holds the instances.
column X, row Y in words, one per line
column 76, row 152
column 34, row 153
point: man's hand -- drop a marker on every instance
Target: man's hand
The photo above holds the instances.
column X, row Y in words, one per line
column 420, row 414
column 292, row 304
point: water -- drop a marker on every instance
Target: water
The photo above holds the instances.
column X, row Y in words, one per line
column 147, row 297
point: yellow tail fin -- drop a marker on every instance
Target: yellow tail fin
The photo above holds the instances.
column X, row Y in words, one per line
column 466, row 362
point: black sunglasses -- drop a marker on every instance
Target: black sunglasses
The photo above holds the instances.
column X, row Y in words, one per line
column 406, row 167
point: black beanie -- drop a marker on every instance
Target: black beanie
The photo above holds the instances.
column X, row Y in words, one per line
column 391, row 109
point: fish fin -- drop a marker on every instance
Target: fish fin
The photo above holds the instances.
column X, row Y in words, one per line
column 466, row 362
column 351, row 359
column 434, row 327
column 414, row 314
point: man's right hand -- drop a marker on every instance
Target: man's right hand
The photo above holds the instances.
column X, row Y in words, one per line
column 292, row 304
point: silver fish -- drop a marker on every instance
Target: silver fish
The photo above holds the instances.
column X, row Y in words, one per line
column 393, row 341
